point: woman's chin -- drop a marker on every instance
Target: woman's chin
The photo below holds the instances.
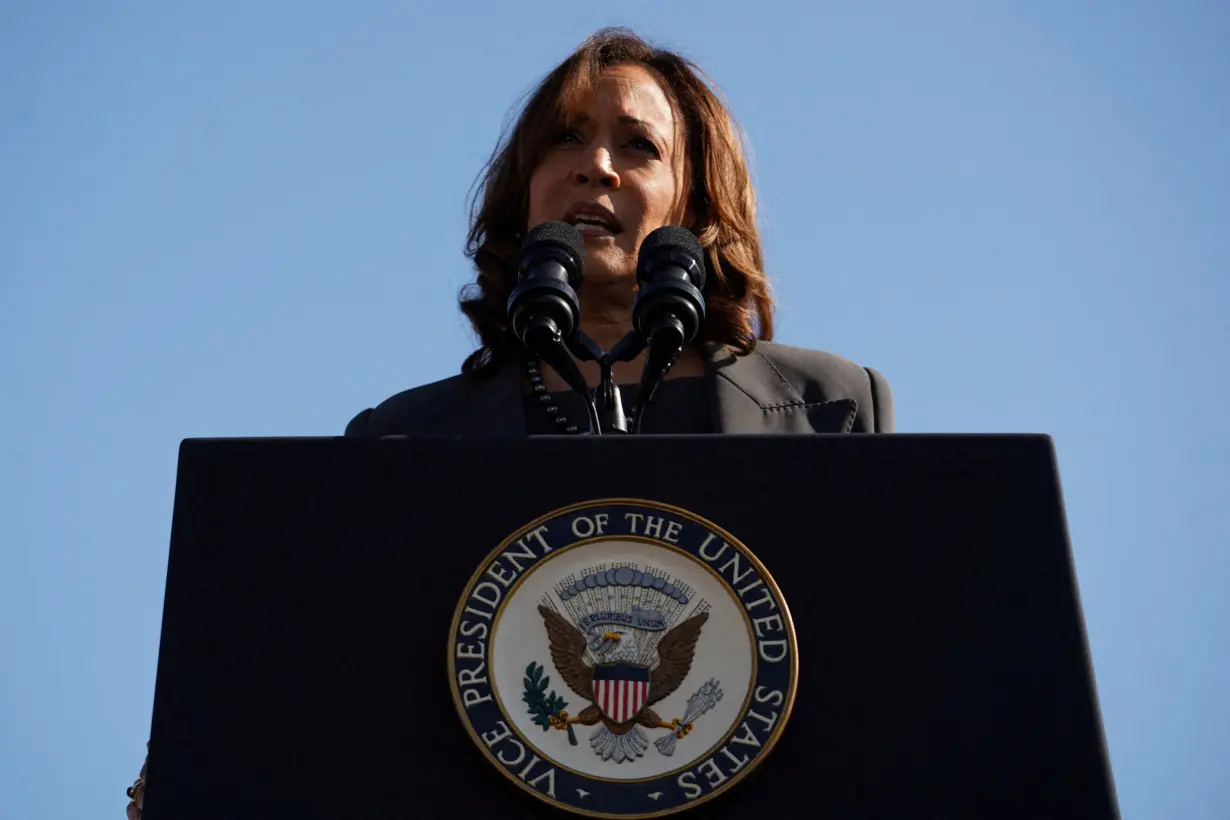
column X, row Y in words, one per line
column 607, row 263
column 598, row 275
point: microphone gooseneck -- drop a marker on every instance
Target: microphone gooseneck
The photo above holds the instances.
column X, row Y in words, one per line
column 543, row 308
column 670, row 305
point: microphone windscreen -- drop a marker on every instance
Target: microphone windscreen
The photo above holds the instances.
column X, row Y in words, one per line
column 664, row 241
column 562, row 235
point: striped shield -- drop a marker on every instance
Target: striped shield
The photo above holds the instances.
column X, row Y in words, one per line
column 620, row 690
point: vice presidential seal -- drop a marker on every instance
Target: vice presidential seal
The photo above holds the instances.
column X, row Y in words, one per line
column 623, row 658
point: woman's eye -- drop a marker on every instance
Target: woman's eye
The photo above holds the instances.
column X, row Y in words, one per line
column 643, row 144
column 571, row 135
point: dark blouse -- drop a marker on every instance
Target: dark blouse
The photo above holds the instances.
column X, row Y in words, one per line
column 681, row 406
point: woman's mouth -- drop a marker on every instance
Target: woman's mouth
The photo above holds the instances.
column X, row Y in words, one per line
column 593, row 230
column 593, row 221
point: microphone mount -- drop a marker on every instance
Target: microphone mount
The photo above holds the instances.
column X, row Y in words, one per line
column 609, row 404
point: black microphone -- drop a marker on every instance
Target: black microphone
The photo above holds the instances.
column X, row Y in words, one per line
column 670, row 305
column 543, row 307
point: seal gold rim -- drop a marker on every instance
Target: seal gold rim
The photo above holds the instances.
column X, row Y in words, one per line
column 787, row 707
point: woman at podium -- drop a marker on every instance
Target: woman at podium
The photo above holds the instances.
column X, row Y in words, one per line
column 619, row 140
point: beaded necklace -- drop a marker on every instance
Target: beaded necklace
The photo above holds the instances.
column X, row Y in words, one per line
column 560, row 419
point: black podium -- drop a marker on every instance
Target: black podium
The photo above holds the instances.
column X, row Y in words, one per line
column 309, row 664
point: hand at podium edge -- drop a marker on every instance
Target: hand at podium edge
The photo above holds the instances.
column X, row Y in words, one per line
column 136, row 792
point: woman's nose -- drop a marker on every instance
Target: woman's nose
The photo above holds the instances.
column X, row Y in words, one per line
column 596, row 169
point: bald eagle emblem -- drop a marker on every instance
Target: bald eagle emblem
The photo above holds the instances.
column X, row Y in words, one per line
column 625, row 644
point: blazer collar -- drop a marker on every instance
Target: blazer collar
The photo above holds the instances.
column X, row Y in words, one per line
column 751, row 396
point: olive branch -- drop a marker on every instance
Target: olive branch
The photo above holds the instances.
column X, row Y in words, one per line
column 547, row 708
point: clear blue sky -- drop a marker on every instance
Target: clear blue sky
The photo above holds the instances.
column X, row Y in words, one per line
column 246, row 219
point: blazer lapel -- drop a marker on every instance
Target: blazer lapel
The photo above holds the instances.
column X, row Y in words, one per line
column 751, row 396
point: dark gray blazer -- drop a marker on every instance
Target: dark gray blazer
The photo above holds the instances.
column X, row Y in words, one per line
column 775, row 389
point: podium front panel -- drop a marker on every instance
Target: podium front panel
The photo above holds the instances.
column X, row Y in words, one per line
column 942, row 665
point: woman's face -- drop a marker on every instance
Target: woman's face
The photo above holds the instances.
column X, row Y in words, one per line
column 615, row 173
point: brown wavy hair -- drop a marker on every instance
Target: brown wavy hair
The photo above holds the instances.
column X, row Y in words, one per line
column 722, row 203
